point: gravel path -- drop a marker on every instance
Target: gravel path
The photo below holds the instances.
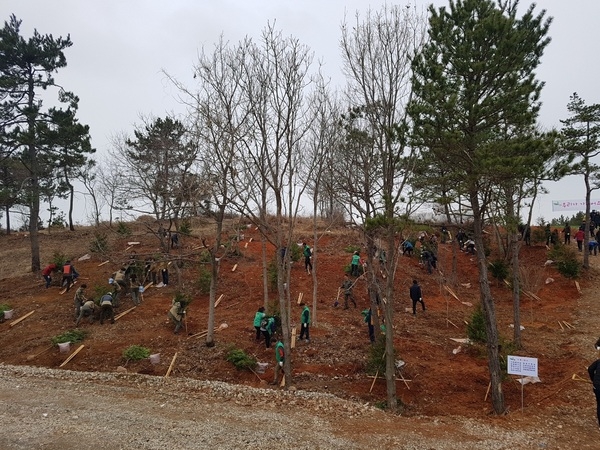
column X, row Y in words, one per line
column 55, row 409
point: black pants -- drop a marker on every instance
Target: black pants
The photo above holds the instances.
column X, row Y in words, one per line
column 67, row 281
column 304, row 329
column 580, row 245
column 597, row 393
column 267, row 336
column 107, row 311
column 415, row 304
column 307, row 263
column 257, row 333
column 349, row 297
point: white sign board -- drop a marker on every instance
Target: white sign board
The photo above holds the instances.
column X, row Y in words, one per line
column 573, row 205
column 521, row 365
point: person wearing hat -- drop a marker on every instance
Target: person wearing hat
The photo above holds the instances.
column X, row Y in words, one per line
column 594, row 372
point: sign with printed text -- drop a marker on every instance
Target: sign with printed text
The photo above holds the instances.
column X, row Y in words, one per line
column 521, row 365
column 573, row 205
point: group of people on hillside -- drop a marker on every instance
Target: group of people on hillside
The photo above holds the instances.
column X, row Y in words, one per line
column 69, row 274
column 88, row 308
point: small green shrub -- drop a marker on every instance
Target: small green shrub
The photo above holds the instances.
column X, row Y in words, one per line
column 71, row 336
column 185, row 227
column 240, row 359
column 4, row 307
column 499, row 269
column 59, row 259
column 100, row 290
column 567, row 260
column 296, row 252
column 136, row 353
column 204, row 278
column 204, row 257
column 123, row 229
column 352, row 249
column 183, row 298
column 476, row 327
column 537, row 235
column 376, row 360
column 99, row 243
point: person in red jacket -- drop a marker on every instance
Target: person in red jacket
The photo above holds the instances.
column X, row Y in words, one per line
column 47, row 273
column 579, row 238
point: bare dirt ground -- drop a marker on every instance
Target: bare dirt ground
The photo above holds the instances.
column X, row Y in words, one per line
column 444, row 399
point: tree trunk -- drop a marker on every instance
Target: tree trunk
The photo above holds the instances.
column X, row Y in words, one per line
column 214, row 273
column 7, row 219
column 489, row 312
column 586, row 238
column 71, row 197
column 390, row 356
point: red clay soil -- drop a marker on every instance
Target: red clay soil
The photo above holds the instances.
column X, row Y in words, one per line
column 335, row 359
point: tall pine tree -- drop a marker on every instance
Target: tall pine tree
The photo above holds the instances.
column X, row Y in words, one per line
column 26, row 68
column 473, row 82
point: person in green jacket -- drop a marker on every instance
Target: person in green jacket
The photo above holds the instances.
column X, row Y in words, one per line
column 368, row 318
column 267, row 327
column 279, row 361
column 305, row 322
column 307, row 252
column 258, row 317
column 354, row 264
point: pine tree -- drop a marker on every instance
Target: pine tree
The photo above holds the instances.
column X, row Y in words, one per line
column 474, row 84
column 26, row 68
column 580, row 145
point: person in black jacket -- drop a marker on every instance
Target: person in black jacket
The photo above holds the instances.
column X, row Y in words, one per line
column 594, row 371
column 416, row 296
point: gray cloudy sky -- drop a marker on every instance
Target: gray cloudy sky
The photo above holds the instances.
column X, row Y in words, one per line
column 121, row 46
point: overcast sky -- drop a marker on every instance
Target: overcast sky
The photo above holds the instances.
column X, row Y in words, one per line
column 120, row 48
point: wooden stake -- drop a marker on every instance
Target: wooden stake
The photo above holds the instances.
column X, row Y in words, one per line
column 405, row 381
column 374, row 380
column 72, row 355
column 568, row 324
column 300, row 295
column 261, row 380
column 65, row 289
column 293, row 343
column 452, row 323
column 561, row 327
column 32, row 357
column 451, row 292
column 577, row 286
column 171, row 365
column 127, row 249
column 219, row 300
column 234, row 267
column 105, row 262
column 14, row 322
column 246, row 245
column 118, row 316
column 205, row 332
column 282, row 384
column 576, row 377
column 488, row 391
column 147, row 286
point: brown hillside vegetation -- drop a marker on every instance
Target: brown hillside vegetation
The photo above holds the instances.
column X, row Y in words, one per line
column 442, row 377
